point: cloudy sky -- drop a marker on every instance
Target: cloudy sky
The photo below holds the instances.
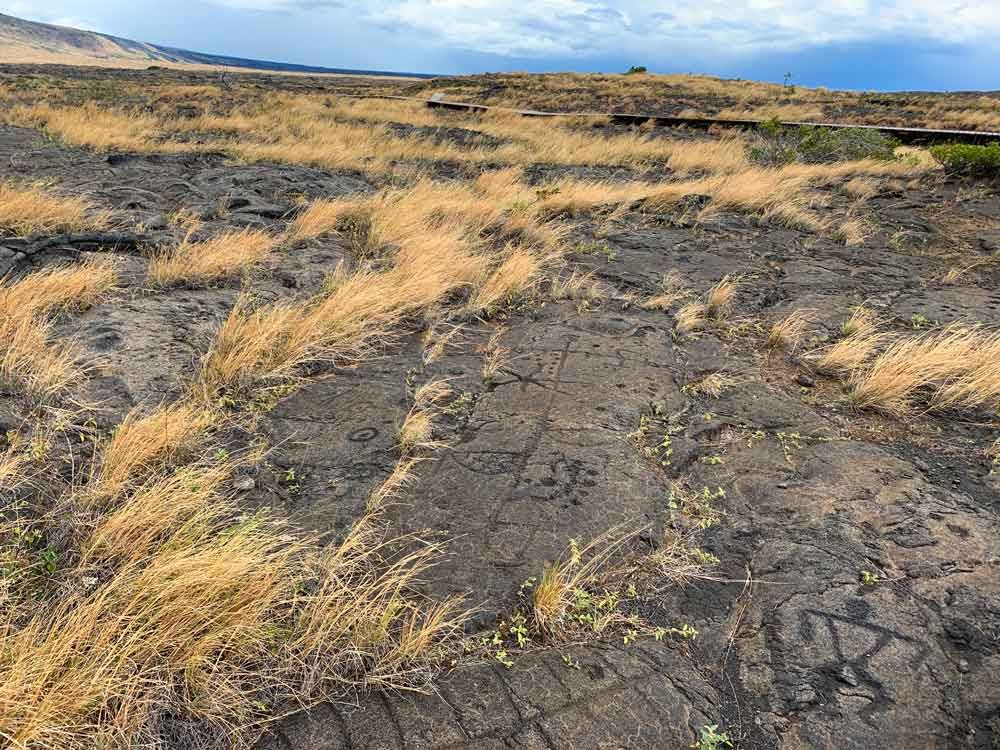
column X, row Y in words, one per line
column 861, row 44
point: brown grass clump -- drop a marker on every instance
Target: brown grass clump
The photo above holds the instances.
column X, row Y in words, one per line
column 96, row 127
column 673, row 290
column 30, row 210
column 144, row 444
column 955, row 367
column 863, row 322
column 31, row 359
column 849, row 353
column 320, row 217
column 58, row 289
column 691, row 317
column 272, row 341
column 711, row 385
column 578, row 569
column 726, row 155
column 212, row 620
column 578, row 285
column 514, row 274
column 788, row 332
column 861, row 339
column 436, row 341
column 851, row 232
column 400, row 478
column 13, row 466
column 416, row 431
column 719, row 298
column 196, row 263
column 861, row 188
column 418, row 427
column 776, row 195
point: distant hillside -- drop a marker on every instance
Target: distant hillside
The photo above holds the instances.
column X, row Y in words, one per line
column 30, row 42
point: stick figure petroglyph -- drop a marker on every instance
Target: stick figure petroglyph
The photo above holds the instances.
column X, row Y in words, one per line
column 856, row 670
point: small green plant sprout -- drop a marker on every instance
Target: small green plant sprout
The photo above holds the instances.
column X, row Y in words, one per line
column 641, row 429
column 49, row 558
column 867, row 578
column 503, row 657
column 528, row 583
column 697, row 507
column 519, row 629
column 570, row 662
column 712, row 460
column 920, row 322
column 594, row 248
column 629, row 637
column 686, row 631
column 790, row 442
column 710, row 738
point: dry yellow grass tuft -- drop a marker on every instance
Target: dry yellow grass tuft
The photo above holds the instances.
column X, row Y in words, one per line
column 956, row 367
column 851, row 232
column 861, row 188
column 199, row 616
column 195, row 263
column 578, row 285
column 719, row 298
column 691, row 317
column 321, row 217
column 673, row 290
column 144, row 444
column 712, row 385
column 518, row 270
column 401, row 477
column 58, row 289
column 33, row 209
column 32, row 360
column 495, row 355
column 579, row 569
column 14, row 461
column 416, row 432
column 96, row 127
column 863, row 322
column 788, row 332
column 849, row 353
column 726, row 155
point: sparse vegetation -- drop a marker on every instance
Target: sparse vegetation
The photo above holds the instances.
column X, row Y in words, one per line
column 967, row 158
column 788, row 332
column 777, row 145
column 32, row 360
column 29, row 210
column 954, row 367
column 197, row 263
column 153, row 580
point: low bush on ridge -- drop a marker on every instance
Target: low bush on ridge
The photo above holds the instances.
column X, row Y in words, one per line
column 969, row 159
column 775, row 145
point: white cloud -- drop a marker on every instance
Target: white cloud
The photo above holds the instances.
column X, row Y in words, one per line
column 565, row 27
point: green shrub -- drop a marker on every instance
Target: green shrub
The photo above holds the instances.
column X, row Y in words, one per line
column 775, row 145
column 635, row 69
column 966, row 158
